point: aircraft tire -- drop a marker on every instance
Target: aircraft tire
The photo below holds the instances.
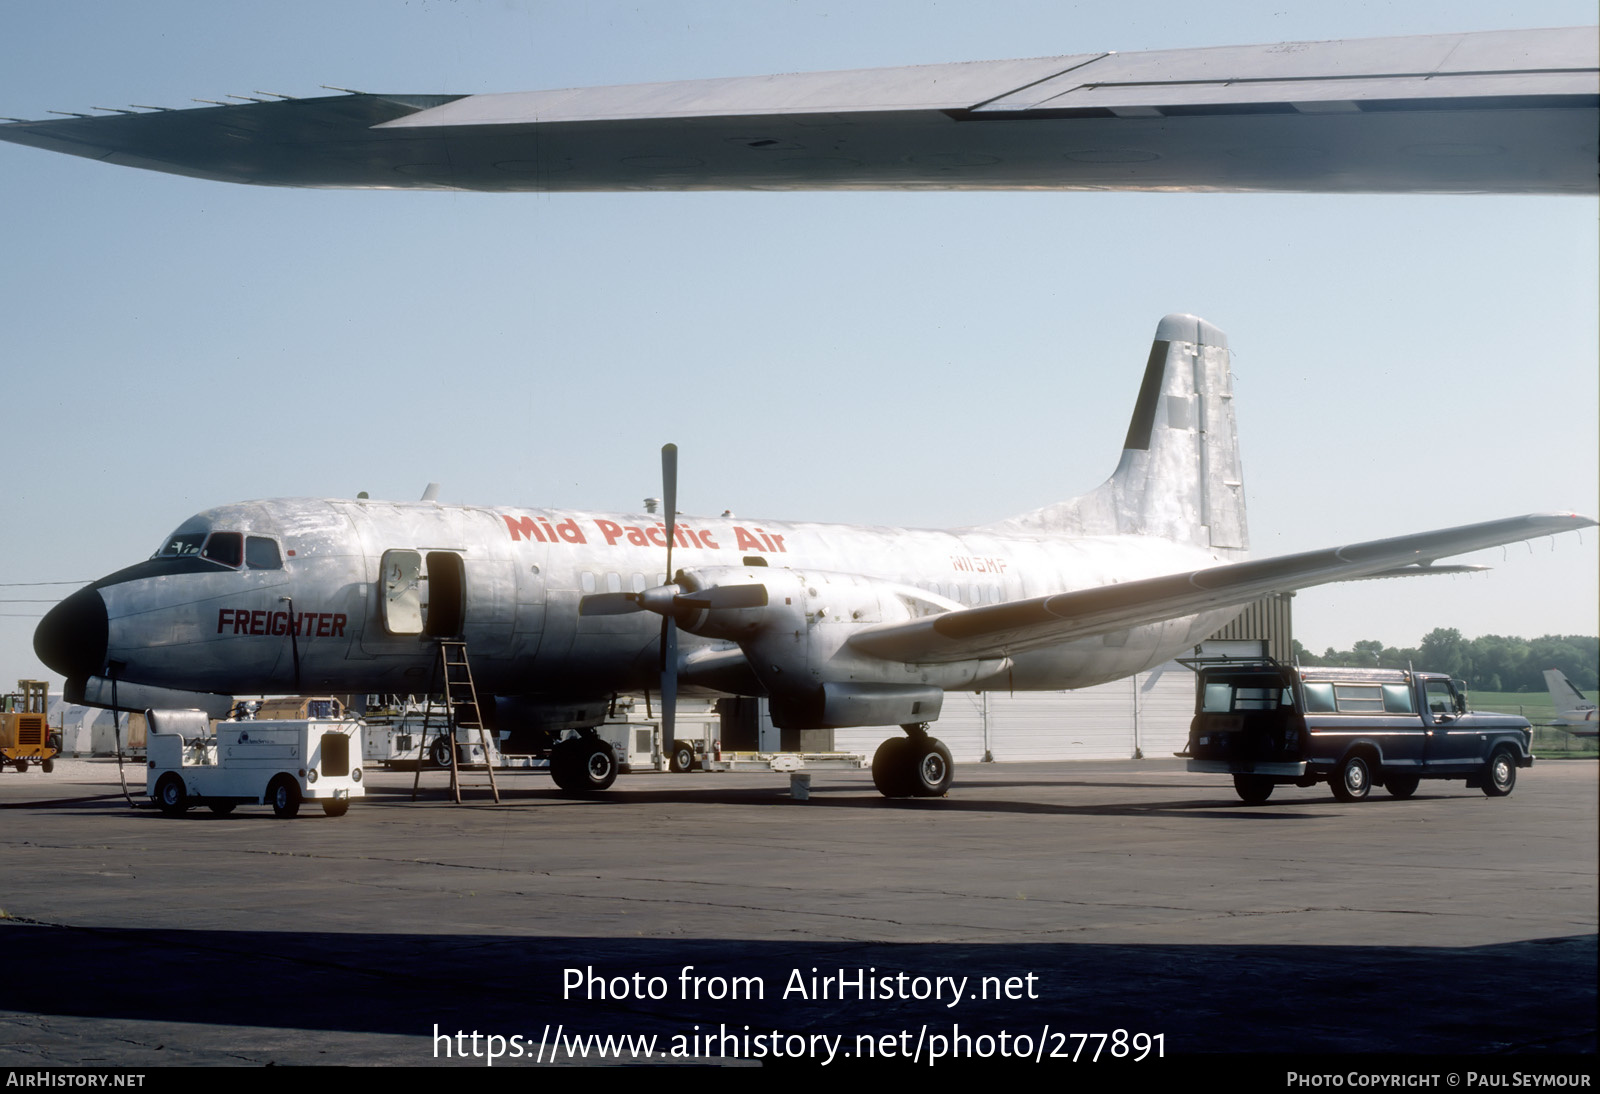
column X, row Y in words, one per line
column 284, row 795
column 584, row 765
column 930, row 768
column 1401, row 786
column 597, row 768
column 561, row 767
column 171, row 798
column 892, row 769
column 1253, row 789
column 1353, row 781
column 682, row 756
column 439, row 753
column 1501, row 777
column 336, row 807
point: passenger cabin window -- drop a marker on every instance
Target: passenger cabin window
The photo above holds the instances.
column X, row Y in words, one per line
column 226, row 548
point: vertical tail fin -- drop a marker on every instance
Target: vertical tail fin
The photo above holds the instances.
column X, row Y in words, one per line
column 1566, row 698
column 1180, row 476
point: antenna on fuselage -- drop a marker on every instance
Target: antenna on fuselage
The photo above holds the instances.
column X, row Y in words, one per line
column 431, row 493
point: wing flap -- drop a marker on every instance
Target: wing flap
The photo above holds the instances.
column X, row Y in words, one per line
column 1006, row 629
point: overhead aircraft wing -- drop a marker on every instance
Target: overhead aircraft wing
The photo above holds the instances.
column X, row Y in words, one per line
column 1003, row 629
column 1503, row 111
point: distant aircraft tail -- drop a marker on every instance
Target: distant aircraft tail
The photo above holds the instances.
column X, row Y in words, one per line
column 1180, row 476
column 1571, row 704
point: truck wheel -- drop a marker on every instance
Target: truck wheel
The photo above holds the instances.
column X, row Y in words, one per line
column 284, row 795
column 222, row 809
column 21, row 766
column 171, row 798
column 682, row 756
column 1401, row 786
column 931, row 768
column 1253, row 789
column 48, row 766
column 1502, row 774
column 336, row 807
column 1353, row 780
column 891, row 768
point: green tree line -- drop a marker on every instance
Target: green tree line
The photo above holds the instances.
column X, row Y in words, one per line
column 1490, row 663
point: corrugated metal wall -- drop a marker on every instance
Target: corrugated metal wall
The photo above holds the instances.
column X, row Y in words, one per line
column 1145, row 715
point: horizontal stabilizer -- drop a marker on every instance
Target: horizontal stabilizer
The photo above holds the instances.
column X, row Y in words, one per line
column 1004, row 629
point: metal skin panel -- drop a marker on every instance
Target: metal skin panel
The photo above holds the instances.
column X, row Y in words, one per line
column 1090, row 590
column 1500, row 111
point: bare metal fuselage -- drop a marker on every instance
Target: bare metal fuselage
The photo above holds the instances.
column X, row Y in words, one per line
column 241, row 631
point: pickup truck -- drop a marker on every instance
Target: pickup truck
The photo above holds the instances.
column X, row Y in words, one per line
column 1271, row 725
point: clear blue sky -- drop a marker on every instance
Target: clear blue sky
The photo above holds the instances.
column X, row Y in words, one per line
column 1402, row 363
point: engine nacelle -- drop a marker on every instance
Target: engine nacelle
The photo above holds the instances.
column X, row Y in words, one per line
column 797, row 646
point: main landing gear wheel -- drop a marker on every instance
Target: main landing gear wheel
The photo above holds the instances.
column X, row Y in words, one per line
column 912, row 767
column 890, row 768
column 1502, row 774
column 584, row 765
column 1253, row 789
column 682, row 756
column 1353, row 780
column 1401, row 786
column 171, row 798
column 285, row 797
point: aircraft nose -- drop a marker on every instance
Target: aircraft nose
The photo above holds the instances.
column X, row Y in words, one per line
column 72, row 636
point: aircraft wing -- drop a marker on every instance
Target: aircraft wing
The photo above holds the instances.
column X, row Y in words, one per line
column 1004, row 629
column 1503, row 111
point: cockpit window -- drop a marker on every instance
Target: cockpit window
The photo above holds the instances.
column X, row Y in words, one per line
column 224, row 547
column 261, row 553
column 182, row 545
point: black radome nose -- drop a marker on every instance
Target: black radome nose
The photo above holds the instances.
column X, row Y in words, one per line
column 71, row 637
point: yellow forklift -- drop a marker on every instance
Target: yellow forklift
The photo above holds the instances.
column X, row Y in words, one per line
column 24, row 733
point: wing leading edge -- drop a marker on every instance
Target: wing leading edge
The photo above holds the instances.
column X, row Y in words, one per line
column 1004, row 629
column 1501, row 111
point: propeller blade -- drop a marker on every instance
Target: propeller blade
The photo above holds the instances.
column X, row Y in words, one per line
column 609, row 604
column 726, row 596
column 669, row 494
column 669, row 625
column 669, row 680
